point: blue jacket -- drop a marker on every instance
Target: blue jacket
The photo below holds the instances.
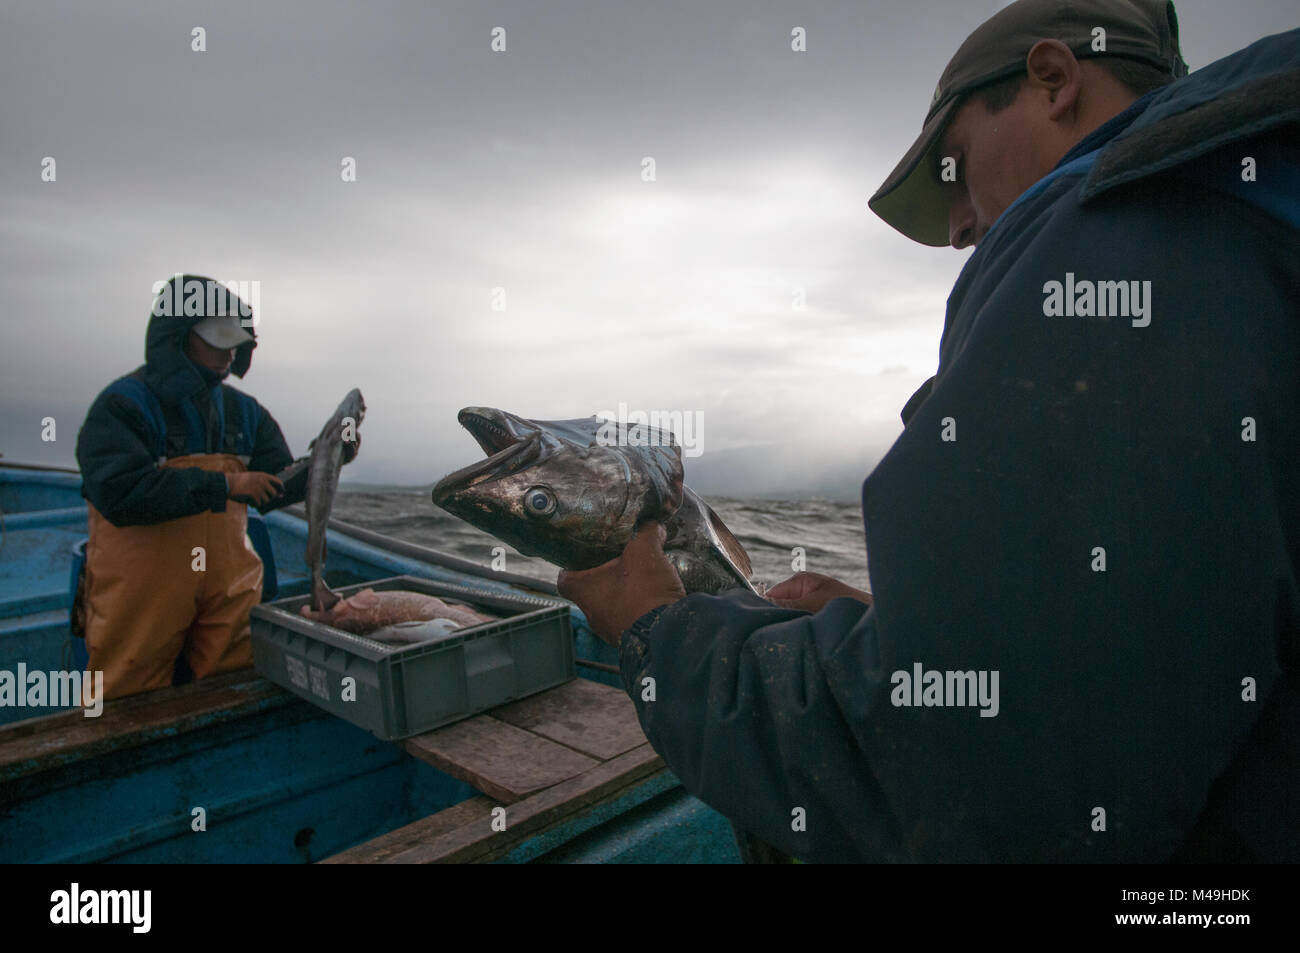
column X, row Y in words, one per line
column 168, row 408
column 1107, row 532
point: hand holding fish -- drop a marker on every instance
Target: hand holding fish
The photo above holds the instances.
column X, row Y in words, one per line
column 616, row 594
column 810, row 591
column 253, row 487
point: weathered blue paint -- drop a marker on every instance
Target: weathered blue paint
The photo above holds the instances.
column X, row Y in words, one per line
column 295, row 765
column 279, row 780
column 673, row 828
column 639, row 793
column 39, row 518
column 22, row 491
column 669, row 827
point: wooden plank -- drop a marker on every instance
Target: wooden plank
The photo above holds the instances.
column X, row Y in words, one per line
column 502, row 761
column 477, row 841
column 584, row 715
column 40, row 744
column 475, row 810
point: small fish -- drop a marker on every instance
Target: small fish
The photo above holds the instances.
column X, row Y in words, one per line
column 325, row 463
column 413, row 633
column 369, row 611
column 574, row 491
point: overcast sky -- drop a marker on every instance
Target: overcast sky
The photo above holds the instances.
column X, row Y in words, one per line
column 476, row 170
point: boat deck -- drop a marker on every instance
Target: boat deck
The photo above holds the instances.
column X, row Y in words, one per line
column 543, row 764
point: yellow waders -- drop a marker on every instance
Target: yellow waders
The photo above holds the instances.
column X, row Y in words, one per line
column 146, row 604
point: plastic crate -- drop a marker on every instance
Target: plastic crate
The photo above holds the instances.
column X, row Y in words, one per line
column 398, row 691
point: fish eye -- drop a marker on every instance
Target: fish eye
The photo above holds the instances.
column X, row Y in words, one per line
column 539, row 501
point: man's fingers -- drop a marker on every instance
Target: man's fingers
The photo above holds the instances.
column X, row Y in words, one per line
column 648, row 538
column 572, row 582
column 564, row 584
column 782, row 590
column 792, row 588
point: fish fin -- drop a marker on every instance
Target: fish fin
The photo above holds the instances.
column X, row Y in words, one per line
column 677, row 491
column 727, row 542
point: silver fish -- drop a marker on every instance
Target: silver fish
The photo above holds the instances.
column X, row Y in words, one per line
column 413, row 633
column 574, row 491
column 325, row 464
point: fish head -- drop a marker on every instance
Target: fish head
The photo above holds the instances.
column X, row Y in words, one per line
column 353, row 406
column 497, row 429
column 560, row 489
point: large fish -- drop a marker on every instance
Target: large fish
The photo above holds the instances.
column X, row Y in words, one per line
column 324, row 466
column 574, row 491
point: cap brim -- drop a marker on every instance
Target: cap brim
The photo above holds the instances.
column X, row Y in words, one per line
column 223, row 334
column 911, row 200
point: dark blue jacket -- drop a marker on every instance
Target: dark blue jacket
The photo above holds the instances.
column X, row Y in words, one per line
column 167, row 408
column 1124, row 690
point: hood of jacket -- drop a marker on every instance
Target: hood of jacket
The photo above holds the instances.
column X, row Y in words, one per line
column 1245, row 94
column 167, row 368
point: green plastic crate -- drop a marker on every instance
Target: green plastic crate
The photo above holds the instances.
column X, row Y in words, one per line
column 399, row 691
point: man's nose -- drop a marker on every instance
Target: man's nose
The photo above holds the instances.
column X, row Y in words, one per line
column 961, row 223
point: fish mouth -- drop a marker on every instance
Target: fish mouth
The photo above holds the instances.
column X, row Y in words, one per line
column 507, row 453
column 495, row 430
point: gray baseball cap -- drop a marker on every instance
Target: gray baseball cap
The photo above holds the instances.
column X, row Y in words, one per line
column 222, row 331
column 912, row 200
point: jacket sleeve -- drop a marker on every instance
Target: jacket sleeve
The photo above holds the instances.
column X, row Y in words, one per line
column 1081, row 508
column 271, row 455
column 120, row 474
column 739, row 697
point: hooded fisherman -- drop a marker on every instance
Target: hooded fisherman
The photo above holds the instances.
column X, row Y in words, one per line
column 169, row 457
column 1083, row 637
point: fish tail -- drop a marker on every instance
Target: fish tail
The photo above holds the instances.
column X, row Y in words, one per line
column 322, row 596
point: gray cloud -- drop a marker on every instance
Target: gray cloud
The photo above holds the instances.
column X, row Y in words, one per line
column 519, row 170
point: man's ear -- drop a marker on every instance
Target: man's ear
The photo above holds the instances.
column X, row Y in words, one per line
column 1053, row 70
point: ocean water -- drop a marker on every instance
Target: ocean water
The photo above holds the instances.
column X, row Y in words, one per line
column 829, row 532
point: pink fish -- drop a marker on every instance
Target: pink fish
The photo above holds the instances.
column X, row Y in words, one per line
column 368, row 610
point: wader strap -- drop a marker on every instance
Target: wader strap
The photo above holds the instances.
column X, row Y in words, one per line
column 234, row 440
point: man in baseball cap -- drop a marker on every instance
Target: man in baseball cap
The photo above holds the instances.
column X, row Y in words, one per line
column 912, row 199
column 1088, row 529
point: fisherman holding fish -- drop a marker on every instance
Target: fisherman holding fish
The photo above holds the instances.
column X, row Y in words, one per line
column 170, row 456
column 1082, row 640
